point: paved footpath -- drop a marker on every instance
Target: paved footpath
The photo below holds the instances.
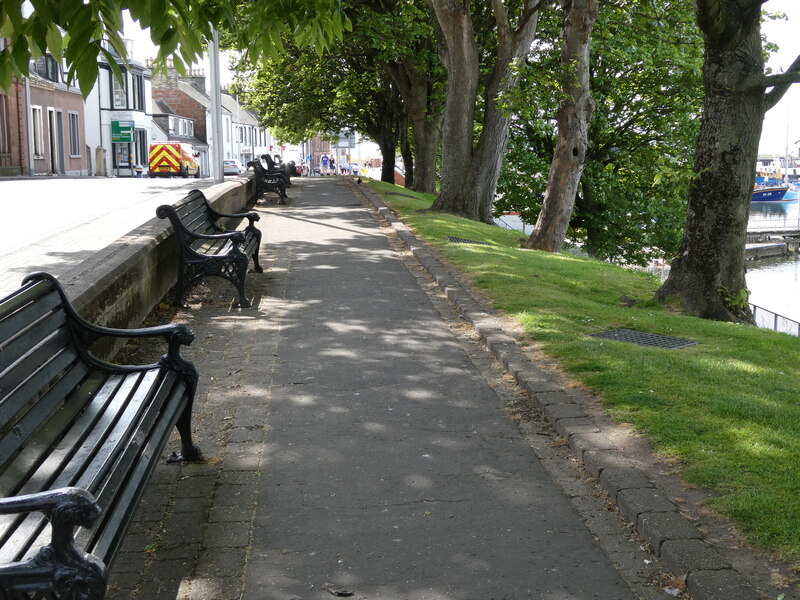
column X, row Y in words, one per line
column 392, row 469
column 354, row 446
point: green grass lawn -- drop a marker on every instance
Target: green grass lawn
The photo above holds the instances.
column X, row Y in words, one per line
column 727, row 410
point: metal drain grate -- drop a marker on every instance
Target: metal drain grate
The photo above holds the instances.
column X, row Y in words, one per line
column 643, row 339
column 459, row 240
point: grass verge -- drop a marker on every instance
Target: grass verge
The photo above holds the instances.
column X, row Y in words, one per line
column 726, row 410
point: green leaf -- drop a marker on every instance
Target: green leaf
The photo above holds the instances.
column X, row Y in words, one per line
column 54, row 41
column 87, row 70
column 6, row 72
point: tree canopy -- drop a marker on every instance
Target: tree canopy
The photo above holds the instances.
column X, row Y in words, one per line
column 646, row 81
column 82, row 32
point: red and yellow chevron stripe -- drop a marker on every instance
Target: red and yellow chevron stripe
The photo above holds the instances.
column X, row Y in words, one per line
column 165, row 157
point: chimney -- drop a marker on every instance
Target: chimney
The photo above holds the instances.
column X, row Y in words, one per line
column 197, row 79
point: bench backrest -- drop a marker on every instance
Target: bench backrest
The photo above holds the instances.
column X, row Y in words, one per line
column 39, row 363
column 194, row 213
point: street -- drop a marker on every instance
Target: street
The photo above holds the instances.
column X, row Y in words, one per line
column 57, row 223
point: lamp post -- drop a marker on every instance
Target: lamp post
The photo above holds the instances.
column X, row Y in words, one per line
column 216, row 109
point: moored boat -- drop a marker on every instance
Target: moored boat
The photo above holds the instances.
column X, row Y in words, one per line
column 769, row 194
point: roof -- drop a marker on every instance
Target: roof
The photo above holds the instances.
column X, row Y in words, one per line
column 162, row 108
column 237, row 110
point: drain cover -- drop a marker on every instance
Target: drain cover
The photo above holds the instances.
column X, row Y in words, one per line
column 459, row 240
column 643, row 339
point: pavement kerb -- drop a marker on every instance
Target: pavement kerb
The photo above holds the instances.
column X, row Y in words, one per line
column 672, row 536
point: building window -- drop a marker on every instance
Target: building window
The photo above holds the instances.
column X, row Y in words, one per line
column 38, row 131
column 53, row 69
column 227, row 128
column 118, row 96
column 137, row 85
column 74, row 134
column 5, row 125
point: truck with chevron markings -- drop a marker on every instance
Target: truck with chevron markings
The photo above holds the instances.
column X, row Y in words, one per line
column 173, row 159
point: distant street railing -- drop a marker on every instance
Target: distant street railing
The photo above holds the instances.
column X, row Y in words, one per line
column 766, row 319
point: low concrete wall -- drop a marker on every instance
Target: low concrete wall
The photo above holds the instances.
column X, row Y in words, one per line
column 119, row 286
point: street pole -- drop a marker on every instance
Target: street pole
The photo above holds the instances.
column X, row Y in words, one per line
column 216, row 109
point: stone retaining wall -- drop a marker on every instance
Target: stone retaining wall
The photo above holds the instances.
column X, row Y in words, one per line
column 121, row 285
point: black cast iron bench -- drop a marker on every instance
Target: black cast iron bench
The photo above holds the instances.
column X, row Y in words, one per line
column 269, row 181
column 206, row 248
column 79, row 439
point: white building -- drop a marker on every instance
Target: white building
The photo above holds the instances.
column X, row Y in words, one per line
column 118, row 119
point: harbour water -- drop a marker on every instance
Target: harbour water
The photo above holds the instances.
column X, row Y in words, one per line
column 775, row 283
column 774, row 215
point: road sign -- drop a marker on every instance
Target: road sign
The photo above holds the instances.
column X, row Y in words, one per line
column 122, row 132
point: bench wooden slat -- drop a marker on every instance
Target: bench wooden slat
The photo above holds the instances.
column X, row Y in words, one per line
column 140, row 454
column 34, row 370
column 98, row 452
column 20, row 315
column 16, row 347
column 24, row 425
column 100, row 388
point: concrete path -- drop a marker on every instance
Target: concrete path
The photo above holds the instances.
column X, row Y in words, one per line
column 392, row 469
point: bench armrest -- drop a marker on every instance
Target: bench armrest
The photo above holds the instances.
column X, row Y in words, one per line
column 63, row 507
column 237, row 237
column 66, row 509
column 250, row 216
column 87, row 333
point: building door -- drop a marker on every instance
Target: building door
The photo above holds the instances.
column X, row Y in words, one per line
column 55, row 126
column 60, row 142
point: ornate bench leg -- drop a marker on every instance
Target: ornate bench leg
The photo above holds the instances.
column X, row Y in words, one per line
column 257, row 267
column 189, row 451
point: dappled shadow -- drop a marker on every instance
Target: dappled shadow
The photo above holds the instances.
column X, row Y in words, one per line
column 375, row 455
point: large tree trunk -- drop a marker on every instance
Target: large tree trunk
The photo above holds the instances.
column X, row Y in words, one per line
column 425, row 115
column 513, row 45
column 709, row 273
column 388, row 153
column 409, row 164
column 469, row 175
column 459, row 55
column 573, row 118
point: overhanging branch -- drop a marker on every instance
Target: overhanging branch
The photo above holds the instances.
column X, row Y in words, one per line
column 781, row 83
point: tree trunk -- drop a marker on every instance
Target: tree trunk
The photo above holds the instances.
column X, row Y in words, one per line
column 469, row 175
column 409, row 163
column 573, row 118
column 388, row 153
column 709, row 273
column 459, row 55
column 425, row 115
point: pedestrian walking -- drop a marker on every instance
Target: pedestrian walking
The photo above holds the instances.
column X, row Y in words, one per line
column 333, row 166
column 324, row 161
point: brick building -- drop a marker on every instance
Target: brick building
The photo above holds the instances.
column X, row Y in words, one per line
column 42, row 124
column 13, row 131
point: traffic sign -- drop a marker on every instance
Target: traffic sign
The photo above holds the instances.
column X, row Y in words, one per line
column 122, row 132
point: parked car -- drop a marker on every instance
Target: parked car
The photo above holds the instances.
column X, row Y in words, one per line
column 232, row 167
